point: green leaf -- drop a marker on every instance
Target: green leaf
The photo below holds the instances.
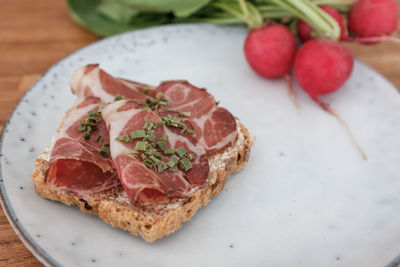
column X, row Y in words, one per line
column 180, row 8
column 116, row 12
column 85, row 13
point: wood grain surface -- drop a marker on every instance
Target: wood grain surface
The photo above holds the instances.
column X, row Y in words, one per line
column 36, row 34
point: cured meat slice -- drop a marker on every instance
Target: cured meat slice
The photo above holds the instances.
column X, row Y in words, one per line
column 90, row 80
column 215, row 127
column 148, row 184
column 75, row 164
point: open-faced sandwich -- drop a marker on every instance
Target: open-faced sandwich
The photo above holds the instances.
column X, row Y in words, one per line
column 142, row 158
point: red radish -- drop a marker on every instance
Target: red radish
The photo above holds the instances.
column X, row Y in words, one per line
column 270, row 51
column 304, row 31
column 322, row 66
column 373, row 20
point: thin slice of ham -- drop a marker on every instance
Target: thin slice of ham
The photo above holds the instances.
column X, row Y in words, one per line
column 90, row 80
column 215, row 127
column 145, row 186
column 74, row 165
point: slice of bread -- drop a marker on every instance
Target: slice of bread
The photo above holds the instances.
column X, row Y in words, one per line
column 152, row 224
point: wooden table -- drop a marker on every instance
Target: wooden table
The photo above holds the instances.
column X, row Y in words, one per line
column 36, row 34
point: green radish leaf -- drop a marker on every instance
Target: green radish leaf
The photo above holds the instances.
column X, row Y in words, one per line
column 116, row 12
column 85, row 14
column 180, row 8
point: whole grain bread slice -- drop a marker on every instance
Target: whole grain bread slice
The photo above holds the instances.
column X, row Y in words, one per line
column 152, row 224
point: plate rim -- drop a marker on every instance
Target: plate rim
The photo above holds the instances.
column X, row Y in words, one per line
column 18, row 228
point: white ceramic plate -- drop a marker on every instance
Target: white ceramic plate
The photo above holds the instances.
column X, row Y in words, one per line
column 305, row 198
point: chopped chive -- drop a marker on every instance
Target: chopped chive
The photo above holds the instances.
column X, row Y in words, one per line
column 161, row 166
column 157, row 155
column 150, row 151
column 169, row 151
column 180, row 151
column 148, row 125
column 118, row 97
column 173, row 161
column 105, row 151
column 88, row 125
column 162, row 145
column 145, row 90
column 148, row 163
column 131, row 152
column 154, row 158
column 125, row 138
column 185, row 164
column 138, row 134
column 159, row 96
column 185, row 113
column 191, row 156
column 159, row 123
column 97, row 139
column 143, row 156
column 141, row 145
column 164, row 137
column 150, row 135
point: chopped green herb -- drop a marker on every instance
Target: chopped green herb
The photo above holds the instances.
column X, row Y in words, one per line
column 149, row 104
column 159, row 95
column 148, row 125
column 105, row 151
column 162, row 145
column 190, row 131
column 185, row 164
column 176, row 122
column 161, row 166
column 150, row 151
column 153, row 158
column 180, row 151
column 143, row 156
column 192, row 156
column 162, row 100
column 118, row 97
column 124, row 138
column 148, row 163
column 141, row 145
column 145, row 90
column 131, row 152
column 89, row 125
column 169, row 151
column 185, row 113
column 97, row 139
column 150, row 135
column 164, row 137
column 138, row 134
column 159, row 123
column 173, row 161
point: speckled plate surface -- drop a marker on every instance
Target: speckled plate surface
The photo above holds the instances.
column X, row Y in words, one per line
column 305, row 198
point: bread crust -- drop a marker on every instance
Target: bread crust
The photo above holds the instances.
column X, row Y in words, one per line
column 153, row 224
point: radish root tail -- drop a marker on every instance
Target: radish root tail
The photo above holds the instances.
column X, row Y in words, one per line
column 328, row 109
column 289, row 83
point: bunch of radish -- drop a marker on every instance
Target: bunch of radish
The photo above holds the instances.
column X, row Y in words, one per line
column 321, row 65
